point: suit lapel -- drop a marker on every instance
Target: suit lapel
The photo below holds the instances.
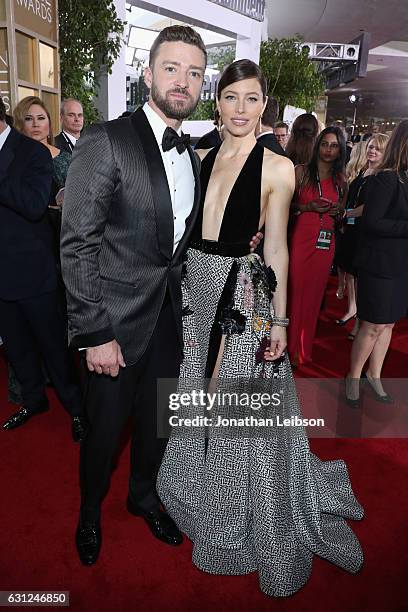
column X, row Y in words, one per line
column 158, row 181
column 192, row 218
column 7, row 151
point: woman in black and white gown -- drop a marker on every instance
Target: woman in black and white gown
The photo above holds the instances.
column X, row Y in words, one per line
column 249, row 502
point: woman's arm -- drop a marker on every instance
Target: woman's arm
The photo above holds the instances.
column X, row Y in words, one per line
column 343, row 199
column 338, row 208
column 353, row 213
column 295, row 207
column 282, row 184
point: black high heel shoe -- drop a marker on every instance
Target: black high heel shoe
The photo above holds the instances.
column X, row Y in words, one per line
column 342, row 322
column 353, row 402
column 384, row 399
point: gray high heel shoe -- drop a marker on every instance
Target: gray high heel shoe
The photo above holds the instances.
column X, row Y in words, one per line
column 352, row 391
column 374, row 384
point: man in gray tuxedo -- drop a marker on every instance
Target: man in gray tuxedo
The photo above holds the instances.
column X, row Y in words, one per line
column 131, row 199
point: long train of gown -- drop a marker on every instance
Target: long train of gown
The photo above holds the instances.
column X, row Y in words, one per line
column 264, row 504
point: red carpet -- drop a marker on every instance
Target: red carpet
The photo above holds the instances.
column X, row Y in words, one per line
column 40, row 500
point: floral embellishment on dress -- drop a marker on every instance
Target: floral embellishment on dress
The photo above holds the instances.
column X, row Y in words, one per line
column 259, row 324
column 271, row 279
column 232, row 321
column 246, row 283
column 263, row 279
column 191, row 343
column 244, row 279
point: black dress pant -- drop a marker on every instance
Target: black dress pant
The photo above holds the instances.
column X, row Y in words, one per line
column 110, row 402
column 33, row 332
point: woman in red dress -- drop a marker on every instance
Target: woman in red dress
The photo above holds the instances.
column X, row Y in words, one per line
column 319, row 198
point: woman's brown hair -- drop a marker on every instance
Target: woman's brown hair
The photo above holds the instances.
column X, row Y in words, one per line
column 240, row 70
column 396, row 152
column 302, row 139
column 21, row 111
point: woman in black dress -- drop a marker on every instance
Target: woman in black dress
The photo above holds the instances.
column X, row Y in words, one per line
column 382, row 266
column 248, row 503
column 374, row 151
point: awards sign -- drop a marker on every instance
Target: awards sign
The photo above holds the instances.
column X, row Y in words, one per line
column 4, row 70
column 39, row 16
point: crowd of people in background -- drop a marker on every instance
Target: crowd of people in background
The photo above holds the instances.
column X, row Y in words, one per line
column 333, row 168
column 334, row 174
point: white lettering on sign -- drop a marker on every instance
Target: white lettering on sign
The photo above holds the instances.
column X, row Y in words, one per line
column 40, row 8
column 4, row 81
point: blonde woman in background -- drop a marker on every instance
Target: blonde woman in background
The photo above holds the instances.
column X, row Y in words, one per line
column 382, row 266
column 372, row 151
column 345, row 238
column 32, row 118
column 32, row 325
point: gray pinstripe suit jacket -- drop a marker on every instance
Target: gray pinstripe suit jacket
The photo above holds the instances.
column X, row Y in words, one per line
column 117, row 237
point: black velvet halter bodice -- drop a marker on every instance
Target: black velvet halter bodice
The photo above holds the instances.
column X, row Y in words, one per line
column 243, row 209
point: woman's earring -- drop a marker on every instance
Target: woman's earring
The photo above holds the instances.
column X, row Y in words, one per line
column 260, row 124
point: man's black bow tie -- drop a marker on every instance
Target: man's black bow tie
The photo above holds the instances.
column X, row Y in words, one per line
column 172, row 139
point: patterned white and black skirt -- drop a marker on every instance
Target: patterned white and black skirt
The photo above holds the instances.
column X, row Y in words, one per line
column 250, row 502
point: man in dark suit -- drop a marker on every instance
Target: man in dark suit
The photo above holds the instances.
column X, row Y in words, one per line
column 213, row 138
column 72, row 122
column 264, row 131
column 131, row 200
column 30, row 324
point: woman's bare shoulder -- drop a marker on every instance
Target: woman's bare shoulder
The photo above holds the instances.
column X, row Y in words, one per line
column 277, row 163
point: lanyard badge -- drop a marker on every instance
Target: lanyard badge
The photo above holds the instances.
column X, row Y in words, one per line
column 324, row 239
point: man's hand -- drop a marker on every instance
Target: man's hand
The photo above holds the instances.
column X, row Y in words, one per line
column 105, row 359
column 277, row 345
column 255, row 240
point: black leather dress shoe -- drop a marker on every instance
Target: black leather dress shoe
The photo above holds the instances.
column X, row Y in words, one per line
column 80, row 428
column 88, row 539
column 160, row 524
column 22, row 416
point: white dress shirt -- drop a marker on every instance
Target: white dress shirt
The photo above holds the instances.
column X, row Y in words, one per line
column 3, row 136
column 179, row 173
column 70, row 137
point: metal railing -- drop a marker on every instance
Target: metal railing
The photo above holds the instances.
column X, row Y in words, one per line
column 251, row 8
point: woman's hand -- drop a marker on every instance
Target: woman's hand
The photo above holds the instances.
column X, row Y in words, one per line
column 322, row 205
column 278, row 343
column 336, row 209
